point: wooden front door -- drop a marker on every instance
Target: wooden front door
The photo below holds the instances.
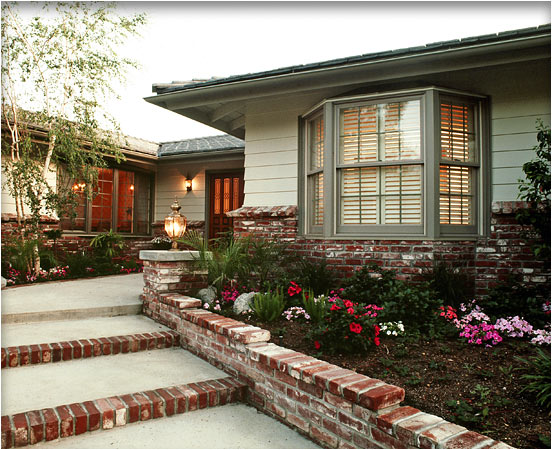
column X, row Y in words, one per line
column 225, row 194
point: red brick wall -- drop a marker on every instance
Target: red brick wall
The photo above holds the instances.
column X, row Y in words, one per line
column 488, row 260
column 70, row 242
column 335, row 407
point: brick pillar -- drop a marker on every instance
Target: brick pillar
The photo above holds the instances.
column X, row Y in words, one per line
column 169, row 272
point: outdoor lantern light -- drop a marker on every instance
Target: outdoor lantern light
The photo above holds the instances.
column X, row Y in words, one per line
column 188, row 184
column 175, row 224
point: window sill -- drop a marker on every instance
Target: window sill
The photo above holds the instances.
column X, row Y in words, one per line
column 91, row 235
column 402, row 237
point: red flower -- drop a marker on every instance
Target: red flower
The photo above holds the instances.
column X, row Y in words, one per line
column 355, row 327
column 348, row 303
column 377, row 340
column 294, row 289
column 334, row 307
column 351, row 310
column 317, row 345
column 377, row 330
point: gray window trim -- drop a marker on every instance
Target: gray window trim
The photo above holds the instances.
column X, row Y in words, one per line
column 431, row 228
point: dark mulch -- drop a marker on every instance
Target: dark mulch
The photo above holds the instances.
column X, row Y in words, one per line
column 435, row 372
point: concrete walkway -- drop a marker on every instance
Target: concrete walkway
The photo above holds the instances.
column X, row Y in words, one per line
column 71, row 310
column 74, row 299
column 229, row 426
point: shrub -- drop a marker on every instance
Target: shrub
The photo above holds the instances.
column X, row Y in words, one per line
column 538, row 377
column 514, row 298
column 316, row 307
column 349, row 327
column 19, row 253
column 267, row 261
column 161, row 243
column 369, row 284
column 268, row 306
column 107, row 244
column 314, row 276
column 535, row 189
column 452, row 285
column 79, row 264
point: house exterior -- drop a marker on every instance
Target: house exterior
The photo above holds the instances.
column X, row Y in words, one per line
column 401, row 157
column 134, row 196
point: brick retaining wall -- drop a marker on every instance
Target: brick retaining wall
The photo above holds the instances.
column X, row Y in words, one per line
column 335, row 407
column 488, row 260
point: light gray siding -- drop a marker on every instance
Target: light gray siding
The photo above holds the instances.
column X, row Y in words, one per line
column 170, row 183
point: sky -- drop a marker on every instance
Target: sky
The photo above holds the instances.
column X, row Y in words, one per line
column 187, row 40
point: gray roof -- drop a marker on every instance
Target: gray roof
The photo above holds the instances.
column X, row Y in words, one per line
column 200, row 145
column 162, row 88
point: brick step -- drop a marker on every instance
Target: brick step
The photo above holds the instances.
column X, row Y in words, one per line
column 32, row 427
column 25, row 355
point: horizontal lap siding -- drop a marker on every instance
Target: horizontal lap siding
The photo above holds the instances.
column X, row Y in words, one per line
column 8, row 202
column 271, row 158
column 170, row 182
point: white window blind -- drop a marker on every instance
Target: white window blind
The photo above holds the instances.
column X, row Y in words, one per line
column 458, row 164
column 315, row 174
column 374, row 138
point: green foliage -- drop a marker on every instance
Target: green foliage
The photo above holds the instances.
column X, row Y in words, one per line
column 19, row 252
column 268, row 306
column 266, row 260
column 369, row 284
column 47, row 259
column 78, row 264
column 315, row 276
column 515, row 298
column 225, row 258
column 58, row 70
column 451, row 284
column 349, row 327
column 316, row 307
column 107, row 244
column 537, row 378
column 535, row 189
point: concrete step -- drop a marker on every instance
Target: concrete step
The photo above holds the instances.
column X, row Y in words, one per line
column 47, row 424
column 240, row 426
column 71, row 300
column 27, row 355
column 41, row 386
column 16, row 334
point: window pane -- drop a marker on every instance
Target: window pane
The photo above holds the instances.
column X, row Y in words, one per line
column 388, row 131
column 316, row 144
column 456, row 195
column 457, row 132
column 381, row 195
column 77, row 223
column 316, row 195
column 102, row 202
column 142, row 201
column 125, row 202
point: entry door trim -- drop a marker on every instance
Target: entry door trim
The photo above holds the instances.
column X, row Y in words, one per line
column 208, row 176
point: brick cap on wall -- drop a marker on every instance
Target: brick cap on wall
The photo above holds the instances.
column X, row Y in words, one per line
column 167, row 255
column 508, row 207
column 10, row 217
column 264, row 211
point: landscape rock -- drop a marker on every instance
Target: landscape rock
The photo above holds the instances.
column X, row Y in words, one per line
column 207, row 295
column 4, row 282
column 242, row 302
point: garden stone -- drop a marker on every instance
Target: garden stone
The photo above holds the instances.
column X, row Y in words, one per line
column 4, row 282
column 207, row 295
column 242, row 302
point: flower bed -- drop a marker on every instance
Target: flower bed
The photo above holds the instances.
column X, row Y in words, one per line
column 447, row 378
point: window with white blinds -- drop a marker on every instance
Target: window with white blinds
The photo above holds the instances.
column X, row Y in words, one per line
column 396, row 164
column 383, row 143
column 458, row 163
column 315, row 174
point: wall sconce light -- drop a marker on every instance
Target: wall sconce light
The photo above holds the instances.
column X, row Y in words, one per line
column 175, row 224
column 188, row 184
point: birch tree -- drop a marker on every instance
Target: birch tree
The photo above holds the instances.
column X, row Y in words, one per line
column 58, row 69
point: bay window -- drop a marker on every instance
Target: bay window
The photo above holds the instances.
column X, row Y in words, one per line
column 405, row 164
